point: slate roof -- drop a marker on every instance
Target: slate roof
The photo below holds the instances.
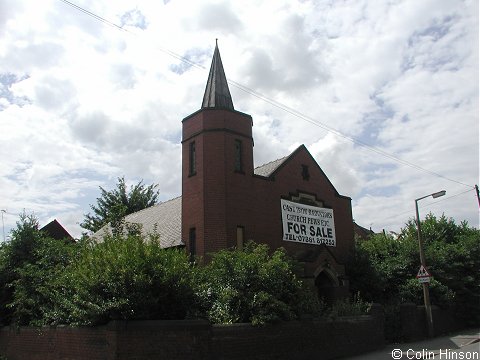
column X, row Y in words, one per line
column 268, row 169
column 165, row 219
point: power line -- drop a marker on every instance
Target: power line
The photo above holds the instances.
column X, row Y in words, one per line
column 95, row 16
column 338, row 133
column 280, row 105
column 118, row 27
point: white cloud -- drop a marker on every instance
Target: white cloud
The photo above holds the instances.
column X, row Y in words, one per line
column 83, row 102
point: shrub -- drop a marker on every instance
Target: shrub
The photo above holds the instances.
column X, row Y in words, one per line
column 123, row 278
column 350, row 307
column 252, row 286
column 384, row 268
column 440, row 294
column 29, row 264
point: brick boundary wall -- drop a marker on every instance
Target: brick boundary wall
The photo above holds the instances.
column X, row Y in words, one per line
column 197, row 339
column 413, row 323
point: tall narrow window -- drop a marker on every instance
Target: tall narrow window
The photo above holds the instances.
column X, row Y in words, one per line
column 238, row 156
column 192, row 238
column 240, row 237
column 192, row 170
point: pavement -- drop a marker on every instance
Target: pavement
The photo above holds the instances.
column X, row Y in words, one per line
column 463, row 344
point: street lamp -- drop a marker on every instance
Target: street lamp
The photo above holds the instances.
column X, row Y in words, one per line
column 426, row 292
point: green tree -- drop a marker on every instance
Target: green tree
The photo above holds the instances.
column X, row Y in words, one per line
column 112, row 206
column 14, row 255
column 124, row 277
column 250, row 285
column 29, row 263
column 384, row 268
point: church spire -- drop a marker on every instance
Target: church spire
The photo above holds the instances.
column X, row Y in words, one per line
column 217, row 94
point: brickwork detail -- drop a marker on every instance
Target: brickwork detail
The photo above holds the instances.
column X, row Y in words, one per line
column 196, row 339
column 217, row 199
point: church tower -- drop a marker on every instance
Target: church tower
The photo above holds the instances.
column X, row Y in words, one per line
column 217, row 169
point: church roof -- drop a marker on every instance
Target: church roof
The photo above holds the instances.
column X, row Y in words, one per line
column 217, row 94
column 164, row 219
column 269, row 168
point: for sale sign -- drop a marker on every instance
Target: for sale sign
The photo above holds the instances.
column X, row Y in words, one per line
column 307, row 224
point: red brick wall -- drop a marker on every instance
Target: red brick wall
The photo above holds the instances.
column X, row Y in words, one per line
column 205, row 201
column 267, row 222
column 53, row 343
column 196, row 339
column 413, row 323
column 312, row 339
column 217, row 199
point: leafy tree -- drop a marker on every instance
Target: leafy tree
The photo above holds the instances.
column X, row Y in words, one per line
column 252, row 286
column 112, row 206
column 28, row 265
column 384, row 268
column 13, row 256
column 123, row 277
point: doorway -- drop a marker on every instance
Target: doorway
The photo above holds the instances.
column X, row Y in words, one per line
column 326, row 284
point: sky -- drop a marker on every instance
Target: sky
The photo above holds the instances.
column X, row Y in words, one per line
column 384, row 94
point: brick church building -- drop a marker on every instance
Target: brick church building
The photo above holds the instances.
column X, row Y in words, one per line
column 225, row 201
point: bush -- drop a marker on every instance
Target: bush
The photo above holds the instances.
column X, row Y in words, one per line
column 129, row 276
column 350, row 307
column 384, row 268
column 252, row 286
column 29, row 264
column 123, row 278
column 440, row 294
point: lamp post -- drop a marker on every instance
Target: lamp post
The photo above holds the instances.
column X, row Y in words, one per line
column 426, row 292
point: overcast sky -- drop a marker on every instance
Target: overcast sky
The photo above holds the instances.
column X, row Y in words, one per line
column 83, row 102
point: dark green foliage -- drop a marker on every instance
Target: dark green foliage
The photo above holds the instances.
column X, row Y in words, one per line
column 112, row 206
column 28, row 265
column 252, row 286
column 384, row 268
column 350, row 307
column 124, row 278
column 129, row 276
column 412, row 291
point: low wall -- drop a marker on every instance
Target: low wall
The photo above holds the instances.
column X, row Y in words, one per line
column 53, row 343
column 413, row 323
column 298, row 340
column 197, row 339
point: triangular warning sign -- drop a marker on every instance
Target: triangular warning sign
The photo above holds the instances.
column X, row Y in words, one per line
column 423, row 272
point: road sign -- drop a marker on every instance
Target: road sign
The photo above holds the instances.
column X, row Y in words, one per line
column 423, row 272
column 423, row 275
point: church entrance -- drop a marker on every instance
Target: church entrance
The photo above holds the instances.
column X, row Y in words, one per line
column 326, row 284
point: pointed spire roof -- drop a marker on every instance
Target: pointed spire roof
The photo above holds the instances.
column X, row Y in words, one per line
column 217, row 94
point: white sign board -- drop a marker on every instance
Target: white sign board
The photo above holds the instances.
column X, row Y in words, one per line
column 423, row 280
column 307, row 224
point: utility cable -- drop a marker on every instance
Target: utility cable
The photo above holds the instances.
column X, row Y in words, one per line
column 278, row 104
